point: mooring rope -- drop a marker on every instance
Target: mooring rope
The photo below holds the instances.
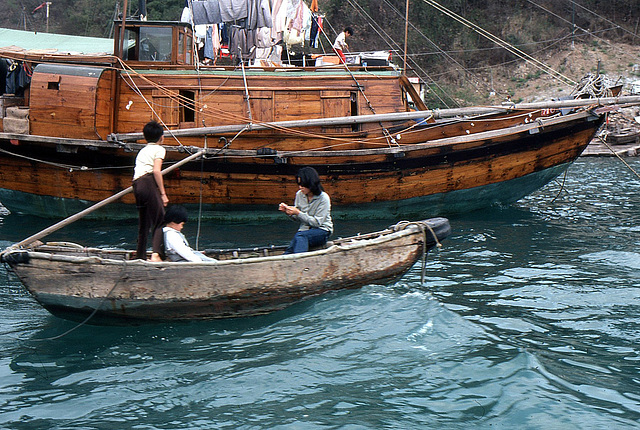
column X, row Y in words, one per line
column 618, row 155
column 421, row 225
column 564, row 179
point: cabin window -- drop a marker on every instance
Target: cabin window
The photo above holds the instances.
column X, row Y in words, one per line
column 155, row 44
column 130, row 47
column 187, row 106
column 188, row 43
column 184, row 46
column 53, row 86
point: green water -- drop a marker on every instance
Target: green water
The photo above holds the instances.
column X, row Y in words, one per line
column 529, row 319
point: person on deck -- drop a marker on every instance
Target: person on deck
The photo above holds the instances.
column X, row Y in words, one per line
column 312, row 208
column 148, row 189
column 175, row 243
column 340, row 44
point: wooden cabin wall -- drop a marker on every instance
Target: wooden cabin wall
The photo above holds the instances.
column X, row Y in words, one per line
column 104, row 104
column 221, row 100
column 64, row 105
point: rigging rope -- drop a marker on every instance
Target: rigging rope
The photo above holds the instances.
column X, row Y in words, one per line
column 603, row 140
column 526, row 57
column 385, row 132
column 417, row 66
column 593, row 34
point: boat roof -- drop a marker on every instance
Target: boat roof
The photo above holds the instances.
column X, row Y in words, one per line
column 258, row 71
column 50, row 43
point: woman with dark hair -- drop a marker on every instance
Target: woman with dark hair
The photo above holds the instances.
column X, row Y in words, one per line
column 175, row 244
column 312, row 208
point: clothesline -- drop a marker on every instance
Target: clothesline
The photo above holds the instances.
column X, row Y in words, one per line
column 252, row 29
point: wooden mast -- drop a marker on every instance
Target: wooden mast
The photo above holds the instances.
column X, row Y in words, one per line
column 124, row 18
column 406, row 32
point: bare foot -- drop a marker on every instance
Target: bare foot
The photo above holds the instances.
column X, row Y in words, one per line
column 155, row 257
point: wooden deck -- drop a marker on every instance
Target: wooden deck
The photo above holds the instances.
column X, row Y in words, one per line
column 618, row 124
column 597, row 148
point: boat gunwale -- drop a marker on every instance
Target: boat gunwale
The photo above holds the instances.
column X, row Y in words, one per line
column 539, row 123
column 343, row 245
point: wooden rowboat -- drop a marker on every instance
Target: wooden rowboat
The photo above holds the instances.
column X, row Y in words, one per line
column 74, row 282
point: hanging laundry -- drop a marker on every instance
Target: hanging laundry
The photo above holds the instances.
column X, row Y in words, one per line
column 233, row 10
column 313, row 34
column 280, row 19
column 212, row 43
column 242, row 44
column 206, row 12
column 297, row 21
column 18, row 78
column 258, row 14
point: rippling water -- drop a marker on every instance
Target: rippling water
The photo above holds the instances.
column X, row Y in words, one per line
column 530, row 319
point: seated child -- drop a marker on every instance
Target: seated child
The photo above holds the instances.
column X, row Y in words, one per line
column 176, row 247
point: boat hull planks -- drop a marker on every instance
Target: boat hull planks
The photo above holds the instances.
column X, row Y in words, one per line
column 234, row 181
column 73, row 282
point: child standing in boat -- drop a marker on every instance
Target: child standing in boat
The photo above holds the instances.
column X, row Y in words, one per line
column 312, row 208
column 148, row 189
column 340, row 44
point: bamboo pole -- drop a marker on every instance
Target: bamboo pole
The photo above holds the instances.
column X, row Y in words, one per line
column 397, row 116
column 124, row 19
column 96, row 206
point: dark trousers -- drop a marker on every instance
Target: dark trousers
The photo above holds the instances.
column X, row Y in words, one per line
column 150, row 214
column 305, row 239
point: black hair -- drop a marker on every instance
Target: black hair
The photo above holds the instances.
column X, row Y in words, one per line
column 308, row 177
column 152, row 131
column 176, row 214
column 348, row 30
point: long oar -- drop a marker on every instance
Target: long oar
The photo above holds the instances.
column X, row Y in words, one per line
column 98, row 205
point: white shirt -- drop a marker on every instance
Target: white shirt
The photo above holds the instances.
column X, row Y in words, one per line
column 341, row 42
column 175, row 244
column 146, row 158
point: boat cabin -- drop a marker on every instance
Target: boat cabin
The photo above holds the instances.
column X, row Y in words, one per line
column 156, row 77
column 154, row 42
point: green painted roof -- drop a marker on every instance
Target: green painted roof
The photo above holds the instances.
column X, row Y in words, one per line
column 55, row 43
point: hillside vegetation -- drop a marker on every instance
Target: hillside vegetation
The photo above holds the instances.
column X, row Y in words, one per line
column 460, row 64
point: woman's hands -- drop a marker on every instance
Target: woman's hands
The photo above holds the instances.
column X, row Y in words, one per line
column 289, row 210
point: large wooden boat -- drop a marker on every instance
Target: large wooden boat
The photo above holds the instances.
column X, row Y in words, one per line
column 109, row 287
column 72, row 138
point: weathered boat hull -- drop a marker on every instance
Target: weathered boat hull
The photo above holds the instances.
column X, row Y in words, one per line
column 76, row 282
column 440, row 176
column 454, row 202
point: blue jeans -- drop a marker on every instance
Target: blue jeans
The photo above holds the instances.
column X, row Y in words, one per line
column 305, row 239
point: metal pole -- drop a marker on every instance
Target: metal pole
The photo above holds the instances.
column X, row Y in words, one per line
column 48, row 3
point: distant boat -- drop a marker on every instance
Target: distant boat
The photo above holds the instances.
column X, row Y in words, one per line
column 72, row 138
column 75, row 282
